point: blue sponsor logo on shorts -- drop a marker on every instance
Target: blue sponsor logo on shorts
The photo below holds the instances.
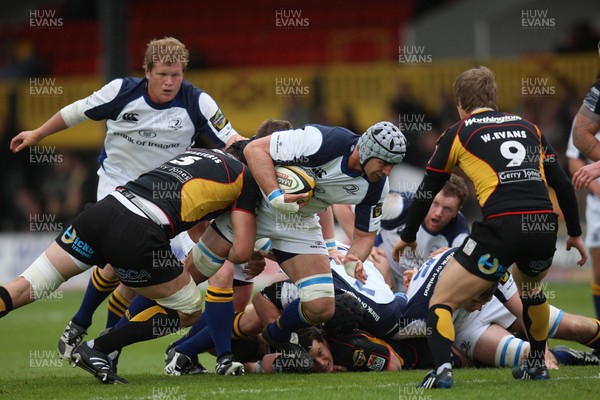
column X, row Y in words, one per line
column 70, row 237
column 489, row 265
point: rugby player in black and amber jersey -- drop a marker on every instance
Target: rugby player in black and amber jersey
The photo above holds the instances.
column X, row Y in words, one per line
column 360, row 351
column 198, row 185
column 131, row 228
column 510, row 164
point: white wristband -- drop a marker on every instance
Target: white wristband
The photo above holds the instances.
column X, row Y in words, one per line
column 331, row 244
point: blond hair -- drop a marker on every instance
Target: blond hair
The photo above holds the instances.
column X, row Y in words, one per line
column 167, row 50
column 475, row 88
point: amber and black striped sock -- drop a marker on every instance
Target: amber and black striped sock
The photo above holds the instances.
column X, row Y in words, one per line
column 98, row 289
column 117, row 306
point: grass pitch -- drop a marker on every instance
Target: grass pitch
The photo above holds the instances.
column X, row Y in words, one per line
column 32, row 370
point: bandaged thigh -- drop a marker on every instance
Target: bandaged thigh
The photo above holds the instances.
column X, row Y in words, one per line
column 43, row 277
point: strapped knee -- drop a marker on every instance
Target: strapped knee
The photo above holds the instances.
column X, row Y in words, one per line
column 315, row 287
column 43, row 277
column 207, row 262
column 186, row 300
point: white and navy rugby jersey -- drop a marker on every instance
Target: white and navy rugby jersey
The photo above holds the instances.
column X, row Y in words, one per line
column 375, row 287
column 592, row 98
column 323, row 151
column 382, row 309
column 423, row 284
column 140, row 134
column 395, row 212
column 375, row 290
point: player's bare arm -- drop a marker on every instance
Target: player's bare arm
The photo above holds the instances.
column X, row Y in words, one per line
column 358, row 252
column 577, row 242
column 261, row 164
column 328, row 228
column 29, row 138
column 244, row 234
column 584, row 177
column 587, row 124
column 237, row 137
column 400, row 246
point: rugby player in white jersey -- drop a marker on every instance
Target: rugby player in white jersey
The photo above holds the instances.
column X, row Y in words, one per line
column 443, row 226
column 148, row 121
column 347, row 168
column 585, row 137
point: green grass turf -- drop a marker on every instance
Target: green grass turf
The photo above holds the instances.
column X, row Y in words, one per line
column 31, row 369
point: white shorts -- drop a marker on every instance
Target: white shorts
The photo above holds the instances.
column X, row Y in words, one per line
column 291, row 233
column 106, row 184
column 470, row 326
column 592, row 217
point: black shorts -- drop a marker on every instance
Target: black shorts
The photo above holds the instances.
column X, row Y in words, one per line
column 138, row 249
column 529, row 240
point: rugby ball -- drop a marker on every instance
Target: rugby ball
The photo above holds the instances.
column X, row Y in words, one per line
column 294, row 180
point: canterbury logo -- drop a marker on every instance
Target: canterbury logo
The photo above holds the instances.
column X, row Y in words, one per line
column 130, row 117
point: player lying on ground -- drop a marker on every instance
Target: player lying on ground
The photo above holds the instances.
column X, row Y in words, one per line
column 491, row 343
